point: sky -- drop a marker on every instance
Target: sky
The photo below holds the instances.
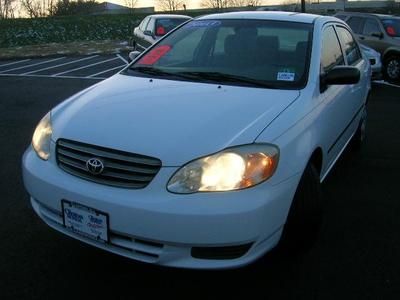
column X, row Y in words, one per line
column 189, row 3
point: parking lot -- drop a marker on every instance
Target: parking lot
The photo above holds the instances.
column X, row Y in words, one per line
column 94, row 67
column 356, row 255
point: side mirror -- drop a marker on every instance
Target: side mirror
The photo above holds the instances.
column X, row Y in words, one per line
column 132, row 55
column 339, row 75
column 377, row 34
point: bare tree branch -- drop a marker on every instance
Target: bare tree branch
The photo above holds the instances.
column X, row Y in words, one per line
column 170, row 5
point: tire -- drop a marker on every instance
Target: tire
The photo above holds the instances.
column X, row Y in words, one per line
column 305, row 214
column 360, row 135
column 391, row 70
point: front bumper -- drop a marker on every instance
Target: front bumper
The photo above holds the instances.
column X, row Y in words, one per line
column 155, row 226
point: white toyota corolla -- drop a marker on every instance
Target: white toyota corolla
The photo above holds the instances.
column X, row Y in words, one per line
column 210, row 147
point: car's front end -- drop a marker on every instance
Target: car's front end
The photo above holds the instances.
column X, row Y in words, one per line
column 164, row 163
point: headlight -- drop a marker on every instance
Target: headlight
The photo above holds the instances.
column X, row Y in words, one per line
column 232, row 169
column 41, row 137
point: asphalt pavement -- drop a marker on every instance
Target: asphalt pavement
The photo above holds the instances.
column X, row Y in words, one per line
column 356, row 255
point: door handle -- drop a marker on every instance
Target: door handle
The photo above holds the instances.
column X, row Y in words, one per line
column 362, row 38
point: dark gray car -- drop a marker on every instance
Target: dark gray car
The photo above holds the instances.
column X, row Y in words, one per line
column 154, row 27
column 380, row 32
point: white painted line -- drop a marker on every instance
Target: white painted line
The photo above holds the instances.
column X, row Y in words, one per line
column 84, row 67
column 386, row 83
column 15, row 62
column 32, row 65
column 50, row 76
column 60, row 65
column 94, row 75
column 123, row 59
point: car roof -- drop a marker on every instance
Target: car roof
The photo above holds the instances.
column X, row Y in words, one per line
column 170, row 16
column 265, row 15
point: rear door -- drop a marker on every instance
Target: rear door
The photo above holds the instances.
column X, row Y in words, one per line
column 369, row 36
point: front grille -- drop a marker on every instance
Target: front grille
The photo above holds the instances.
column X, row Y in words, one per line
column 228, row 252
column 121, row 169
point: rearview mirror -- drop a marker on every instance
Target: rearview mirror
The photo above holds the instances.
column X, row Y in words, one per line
column 339, row 75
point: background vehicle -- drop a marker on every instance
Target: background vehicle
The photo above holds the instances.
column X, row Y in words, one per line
column 154, row 27
column 380, row 32
column 374, row 59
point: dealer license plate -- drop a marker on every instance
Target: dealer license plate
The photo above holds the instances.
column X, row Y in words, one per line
column 85, row 221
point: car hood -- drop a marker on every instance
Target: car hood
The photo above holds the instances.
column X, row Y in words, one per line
column 175, row 121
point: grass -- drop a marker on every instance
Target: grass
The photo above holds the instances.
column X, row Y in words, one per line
column 21, row 32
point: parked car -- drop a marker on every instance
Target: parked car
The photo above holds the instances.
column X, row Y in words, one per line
column 153, row 27
column 210, row 148
column 380, row 32
column 374, row 59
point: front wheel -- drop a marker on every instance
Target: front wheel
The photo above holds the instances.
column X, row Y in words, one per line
column 392, row 69
column 305, row 214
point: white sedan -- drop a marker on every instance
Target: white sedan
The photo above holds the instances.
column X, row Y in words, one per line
column 210, row 148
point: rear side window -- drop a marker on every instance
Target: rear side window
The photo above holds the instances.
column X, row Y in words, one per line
column 392, row 26
column 356, row 24
column 371, row 26
column 350, row 47
column 331, row 55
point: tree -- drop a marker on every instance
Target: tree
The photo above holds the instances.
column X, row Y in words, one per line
column 7, row 8
column 216, row 4
column 131, row 4
column 170, row 5
column 37, row 8
column 241, row 3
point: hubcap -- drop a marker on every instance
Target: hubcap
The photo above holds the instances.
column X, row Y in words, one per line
column 393, row 69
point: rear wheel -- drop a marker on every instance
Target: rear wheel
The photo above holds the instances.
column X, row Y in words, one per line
column 392, row 69
column 305, row 214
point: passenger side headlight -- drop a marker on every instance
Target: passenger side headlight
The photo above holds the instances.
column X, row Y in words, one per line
column 41, row 137
column 232, row 169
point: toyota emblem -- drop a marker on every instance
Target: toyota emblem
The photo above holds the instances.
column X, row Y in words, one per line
column 95, row 166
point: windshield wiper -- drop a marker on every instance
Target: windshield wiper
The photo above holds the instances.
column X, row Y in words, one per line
column 150, row 71
column 224, row 78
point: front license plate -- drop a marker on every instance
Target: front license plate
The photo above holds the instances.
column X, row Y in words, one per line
column 85, row 221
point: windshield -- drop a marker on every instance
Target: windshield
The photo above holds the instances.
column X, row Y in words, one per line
column 392, row 26
column 259, row 53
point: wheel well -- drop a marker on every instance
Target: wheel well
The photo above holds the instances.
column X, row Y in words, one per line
column 316, row 159
column 389, row 54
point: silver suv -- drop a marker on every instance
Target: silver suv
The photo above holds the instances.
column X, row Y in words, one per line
column 380, row 32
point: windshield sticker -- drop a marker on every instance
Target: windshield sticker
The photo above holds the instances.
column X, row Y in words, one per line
column 203, row 23
column 285, row 76
column 154, row 55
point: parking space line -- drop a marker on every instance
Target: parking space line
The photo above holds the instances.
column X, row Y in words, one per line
column 112, row 69
column 123, row 59
column 15, row 62
column 60, row 65
column 84, row 67
column 32, row 65
column 385, row 83
column 50, row 76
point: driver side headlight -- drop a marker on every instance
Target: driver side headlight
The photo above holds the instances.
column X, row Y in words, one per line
column 41, row 137
column 232, row 169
